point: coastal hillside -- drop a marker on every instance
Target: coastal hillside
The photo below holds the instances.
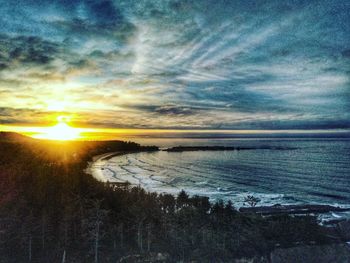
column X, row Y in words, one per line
column 51, row 210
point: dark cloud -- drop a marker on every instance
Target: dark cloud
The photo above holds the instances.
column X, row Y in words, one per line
column 309, row 124
column 165, row 110
column 26, row 50
column 3, row 66
column 83, row 29
column 346, row 53
column 175, row 110
column 106, row 13
column 10, row 115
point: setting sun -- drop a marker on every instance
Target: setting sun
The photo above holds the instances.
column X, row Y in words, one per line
column 61, row 131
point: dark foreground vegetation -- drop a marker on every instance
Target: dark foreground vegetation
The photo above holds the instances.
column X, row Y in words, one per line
column 51, row 211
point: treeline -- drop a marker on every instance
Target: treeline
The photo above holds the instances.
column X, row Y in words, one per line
column 51, row 211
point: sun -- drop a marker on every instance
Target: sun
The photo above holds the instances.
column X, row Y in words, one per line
column 61, row 131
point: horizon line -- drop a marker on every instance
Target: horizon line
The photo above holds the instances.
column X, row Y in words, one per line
column 139, row 131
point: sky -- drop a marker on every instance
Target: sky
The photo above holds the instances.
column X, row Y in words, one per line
column 176, row 64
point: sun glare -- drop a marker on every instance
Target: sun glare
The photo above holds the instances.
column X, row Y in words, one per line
column 61, row 131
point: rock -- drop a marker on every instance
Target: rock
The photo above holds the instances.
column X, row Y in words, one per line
column 344, row 229
column 292, row 209
column 334, row 253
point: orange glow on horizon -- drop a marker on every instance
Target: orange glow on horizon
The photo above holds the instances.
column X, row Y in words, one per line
column 61, row 131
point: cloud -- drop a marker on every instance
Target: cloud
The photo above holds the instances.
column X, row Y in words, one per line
column 174, row 110
column 179, row 63
column 10, row 115
column 26, row 50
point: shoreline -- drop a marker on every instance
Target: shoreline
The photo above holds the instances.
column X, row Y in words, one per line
column 96, row 170
column 99, row 161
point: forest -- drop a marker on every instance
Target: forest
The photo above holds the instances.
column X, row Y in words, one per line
column 52, row 211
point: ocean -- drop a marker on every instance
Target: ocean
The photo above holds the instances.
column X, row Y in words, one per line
column 307, row 171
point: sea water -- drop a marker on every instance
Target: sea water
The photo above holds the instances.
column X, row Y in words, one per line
column 307, row 171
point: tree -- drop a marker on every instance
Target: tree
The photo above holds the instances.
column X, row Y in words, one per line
column 96, row 216
column 251, row 200
column 167, row 202
column 182, row 199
